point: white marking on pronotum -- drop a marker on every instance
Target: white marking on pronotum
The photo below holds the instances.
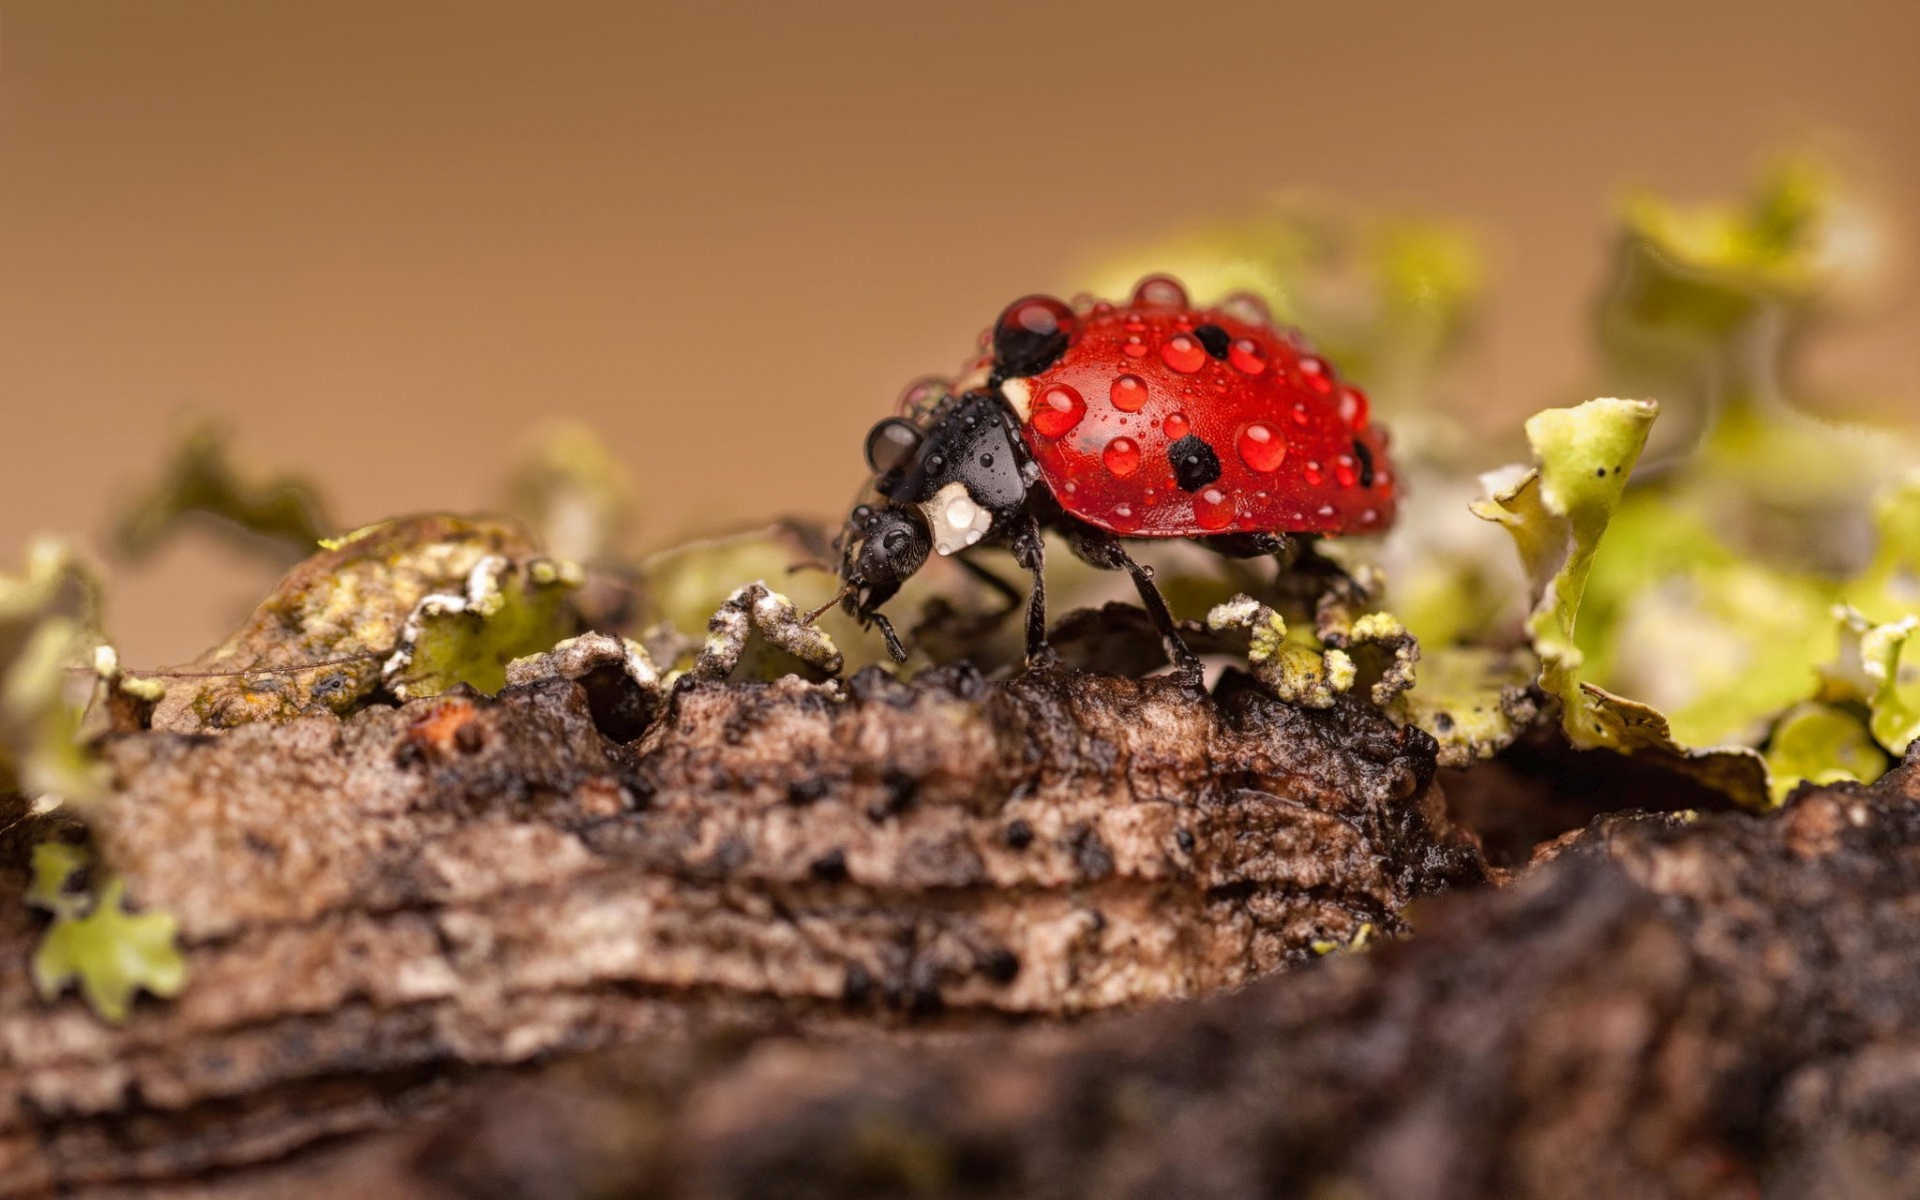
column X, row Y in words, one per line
column 956, row 519
column 1019, row 394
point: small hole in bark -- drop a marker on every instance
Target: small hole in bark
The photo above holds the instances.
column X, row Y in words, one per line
column 1019, row 834
column 620, row 710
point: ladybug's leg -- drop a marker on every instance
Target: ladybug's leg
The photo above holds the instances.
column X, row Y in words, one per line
column 997, row 585
column 1101, row 549
column 1030, row 552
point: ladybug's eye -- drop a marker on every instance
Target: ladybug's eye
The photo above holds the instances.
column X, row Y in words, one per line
column 892, row 444
column 1030, row 334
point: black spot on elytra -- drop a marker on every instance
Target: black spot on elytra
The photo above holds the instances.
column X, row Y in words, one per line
column 1214, row 338
column 1365, row 456
column 1195, row 465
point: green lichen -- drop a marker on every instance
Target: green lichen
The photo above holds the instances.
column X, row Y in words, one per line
column 506, row 610
column 1292, row 665
column 325, row 639
column 1821, row 743
column 49, row 641
column 112, row 954
column 204, row 483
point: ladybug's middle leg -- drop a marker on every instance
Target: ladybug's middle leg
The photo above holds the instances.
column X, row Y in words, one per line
column 1030, row 552
column 1101, row 549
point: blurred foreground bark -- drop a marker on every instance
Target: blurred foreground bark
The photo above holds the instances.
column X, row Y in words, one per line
column 821, row 940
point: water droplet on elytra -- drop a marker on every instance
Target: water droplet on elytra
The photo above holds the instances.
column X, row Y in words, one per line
column 1261, row 447
column 1057, row 410
column 1129, row 393
column 1122, row 516
column 1213, row 508
column 1299, row 413
column 1345, row 471
column 1176, row 426
column 1313, row 474
column 1248, row 307
column 1316, row 374
column 1122, row 456
column 1354, row 408
column 1184, row 353
column 1159, row 291
column 1135, row 347
column 1247, row 356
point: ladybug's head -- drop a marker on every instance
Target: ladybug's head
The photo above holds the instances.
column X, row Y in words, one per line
column 883, row 548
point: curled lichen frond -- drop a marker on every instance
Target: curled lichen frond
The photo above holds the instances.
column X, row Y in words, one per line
column 1339, row 628
column 756, row 608
column 49, row 643
column 110, row 952
column 203, row 482
column 505, row 611
column 1293, row 667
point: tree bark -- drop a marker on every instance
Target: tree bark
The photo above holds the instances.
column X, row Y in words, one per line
column 404, row 909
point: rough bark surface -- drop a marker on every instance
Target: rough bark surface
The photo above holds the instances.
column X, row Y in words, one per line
column 1726, row 1006
column 407, row 908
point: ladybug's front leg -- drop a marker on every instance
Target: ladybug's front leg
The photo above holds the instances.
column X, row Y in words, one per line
column 1030, row 552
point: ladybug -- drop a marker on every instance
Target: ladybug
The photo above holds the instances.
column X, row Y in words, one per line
column 1105, row 422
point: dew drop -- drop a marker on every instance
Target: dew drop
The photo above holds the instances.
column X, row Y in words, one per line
column 1354, row 408
column 1299, row 414
column 1057, row 410
column 1135, row 347
column 1247, row 357
column 1129, row 393
column 1184, row 353
column 1313, row 474
column 1122, row 456
column 1032, row 333
column 1122, row 517
column 1262, row 447
column 921, row 395
column 1159, row 291
column 1213, row 508
column 1345, row 471
column 1176, row 426
column 1248, row 307
column 1315, row 373
column 1135, row 325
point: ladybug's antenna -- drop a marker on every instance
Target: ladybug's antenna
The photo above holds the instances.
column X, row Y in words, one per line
column 817, row 613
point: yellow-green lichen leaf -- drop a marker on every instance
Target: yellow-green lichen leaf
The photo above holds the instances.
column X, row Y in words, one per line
column 112, row 954
column 1889, row 588
column 576, row 496
column 507, row 610
column 48, row 640
column 1821, row 743
column 1473, row 700
column 1557, row 514
column 1798, row 234
column 203, row 482
column 1871, row 670
column 54, row 865
column 321, row 641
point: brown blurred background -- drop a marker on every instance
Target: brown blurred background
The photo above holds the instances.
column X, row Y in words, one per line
column 385, row 238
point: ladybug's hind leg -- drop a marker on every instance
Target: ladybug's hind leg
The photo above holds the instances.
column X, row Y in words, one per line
column 1101, row 549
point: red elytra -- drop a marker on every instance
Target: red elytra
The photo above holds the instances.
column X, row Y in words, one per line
column 1295, row 447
